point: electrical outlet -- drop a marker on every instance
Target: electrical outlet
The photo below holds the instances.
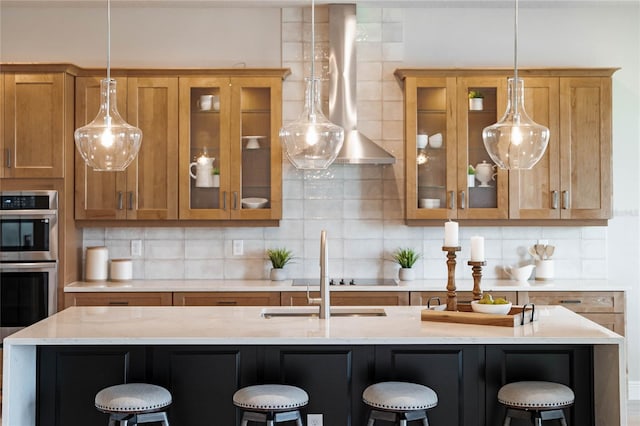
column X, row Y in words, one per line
column 136, row 248
column 314, row 419
column 238, row 247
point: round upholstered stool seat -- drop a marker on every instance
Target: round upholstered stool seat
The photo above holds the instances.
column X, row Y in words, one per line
column 134, row 403
column 270, row 403
column 535, row 400
column 399, row 402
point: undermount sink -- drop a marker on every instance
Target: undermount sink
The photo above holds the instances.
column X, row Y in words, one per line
column 312, row 311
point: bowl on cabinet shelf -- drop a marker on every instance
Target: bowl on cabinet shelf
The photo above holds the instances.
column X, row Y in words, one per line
column 254, row 203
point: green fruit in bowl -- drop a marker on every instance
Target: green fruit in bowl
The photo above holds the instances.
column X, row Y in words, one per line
column 500, row 301
column 487, row 299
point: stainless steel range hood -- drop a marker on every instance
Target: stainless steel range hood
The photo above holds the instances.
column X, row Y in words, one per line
column 357, row 148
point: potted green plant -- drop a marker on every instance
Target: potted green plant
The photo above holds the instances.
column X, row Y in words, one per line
column 475, row 100
column 216, row 177
column 279, row 257
column 406, row 258
column 471, row 176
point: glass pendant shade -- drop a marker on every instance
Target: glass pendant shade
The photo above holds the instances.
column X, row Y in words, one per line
column 312, row 141
column 108, row 143
column 516, row 141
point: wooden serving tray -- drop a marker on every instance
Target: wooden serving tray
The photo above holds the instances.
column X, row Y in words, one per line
column 514, row 318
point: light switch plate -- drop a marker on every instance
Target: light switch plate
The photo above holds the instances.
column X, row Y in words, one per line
column 314, row 419
column 238, row 247
column 136, row 248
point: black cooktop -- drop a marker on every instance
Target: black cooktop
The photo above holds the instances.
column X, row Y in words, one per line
column 345, row 281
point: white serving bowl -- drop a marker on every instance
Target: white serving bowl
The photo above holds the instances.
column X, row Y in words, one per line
column 490, row 309
column 254, row 203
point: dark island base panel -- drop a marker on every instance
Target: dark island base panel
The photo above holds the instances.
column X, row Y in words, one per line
column 203, row 379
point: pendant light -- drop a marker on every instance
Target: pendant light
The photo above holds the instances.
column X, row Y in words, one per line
column 516, row 141
column 108, row 143
column 312, row 141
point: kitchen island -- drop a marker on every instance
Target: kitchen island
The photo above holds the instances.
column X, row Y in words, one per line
column 203, row 354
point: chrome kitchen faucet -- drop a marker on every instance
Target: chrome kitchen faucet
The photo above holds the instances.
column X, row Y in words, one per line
column 324, row 301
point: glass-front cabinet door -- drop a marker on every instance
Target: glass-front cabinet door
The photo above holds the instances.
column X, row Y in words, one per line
column 204, row 170
column 481, row 102
column 230, row 156
column 430, row 148
column 256, row 157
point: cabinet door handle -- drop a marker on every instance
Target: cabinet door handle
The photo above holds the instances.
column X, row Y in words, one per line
column 118, row 303
column 8, row 154
column 235, row 200
column 554, row 200
column 120, row 200
column 565, row 199
column 227, row 302
column 463, row 201
column 224, row 200
column 452, row 200
column 573, row 302
column 130, row 200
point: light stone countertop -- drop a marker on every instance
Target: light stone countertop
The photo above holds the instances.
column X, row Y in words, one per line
column 266, row 285
column 245, row 325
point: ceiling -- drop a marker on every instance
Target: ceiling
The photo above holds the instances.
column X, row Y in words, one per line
column 297, row 3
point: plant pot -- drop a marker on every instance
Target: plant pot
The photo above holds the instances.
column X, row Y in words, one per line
column 471, row 181
column 215, row 181
column 278, row 274
column 475, row 104
column 406, row 274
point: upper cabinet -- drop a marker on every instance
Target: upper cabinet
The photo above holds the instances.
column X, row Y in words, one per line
column 230, row 154
column 147, row 189
column 210, row 141
column 36, row 122
column 443, row 137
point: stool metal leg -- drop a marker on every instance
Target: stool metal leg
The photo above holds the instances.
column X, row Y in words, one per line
column 403, row 422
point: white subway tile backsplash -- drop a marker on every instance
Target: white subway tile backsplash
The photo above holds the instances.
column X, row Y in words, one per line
column 164, row 269
column 204, row 249
column 360, row 206
column 164, row 249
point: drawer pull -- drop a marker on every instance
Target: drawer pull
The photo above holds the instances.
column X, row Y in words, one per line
column 576, row 302
column 227, row 302
column 116, row 303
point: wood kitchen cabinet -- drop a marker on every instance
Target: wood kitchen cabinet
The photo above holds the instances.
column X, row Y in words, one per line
column 37, row 121
column 603, row 307
column 349, row 298
column 147, row 189
column 236, row 135
column 118, row 299
column 236, row 298
column 572, row 180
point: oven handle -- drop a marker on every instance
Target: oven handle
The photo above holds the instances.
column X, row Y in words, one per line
column 28, row 265
column 30, row 214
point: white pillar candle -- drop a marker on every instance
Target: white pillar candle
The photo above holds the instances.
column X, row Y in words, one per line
column 477, row 249
column 451, row 234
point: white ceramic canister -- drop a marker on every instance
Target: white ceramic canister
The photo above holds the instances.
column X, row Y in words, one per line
column 96, row 264
column 121, row 270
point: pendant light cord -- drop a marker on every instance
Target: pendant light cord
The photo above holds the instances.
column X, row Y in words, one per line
column 108, row 58
column 514, row 95
column 313, row 51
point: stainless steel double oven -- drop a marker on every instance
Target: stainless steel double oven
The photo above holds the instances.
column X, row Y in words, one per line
column 28, row 258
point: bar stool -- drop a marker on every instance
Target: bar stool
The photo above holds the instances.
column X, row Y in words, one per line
column 399, row 402
column 536, row 401
column 134, row 403
column 270, row 404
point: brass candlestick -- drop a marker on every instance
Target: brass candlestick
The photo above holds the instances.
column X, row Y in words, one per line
column 476, row 267
column 452, row 300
